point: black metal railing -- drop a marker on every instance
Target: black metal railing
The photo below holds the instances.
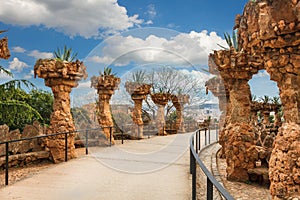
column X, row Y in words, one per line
column 86, row 131
column 195, row 146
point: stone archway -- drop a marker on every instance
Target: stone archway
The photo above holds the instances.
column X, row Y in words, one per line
column 268, row 38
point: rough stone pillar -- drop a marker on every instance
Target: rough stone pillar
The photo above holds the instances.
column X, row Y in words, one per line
column 60, row 121
column 4, row 51
column 138, row 93
column 182, row 99
column 239, row 135
column 104, row 113
column 61, row 76
column 217, row 87
column 161, row 100
column 137, row 115
column 284, row 163
column 178, row 102
column 105, row 85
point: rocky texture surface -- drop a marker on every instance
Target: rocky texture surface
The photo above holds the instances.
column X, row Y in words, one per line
column 4, row 51
column 235, row 74
column 61, row 76
column 161, row 99
column 22, row 146
column 105, row 86
column 240, row 150
column 138, row 93
column 178, row 102
column 268, row 38
column 284, row 169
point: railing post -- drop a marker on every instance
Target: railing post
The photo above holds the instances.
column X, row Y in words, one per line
column 199, row 139
column 205, row 143
column 66, row 147
column 217, row 133
column 6, row 163
column 209, row 135
column 191, row 155
column 197, row 142
column 86, row 142
column 122, row 131
column 194, row 174
column 209, row 190
column 110, row 135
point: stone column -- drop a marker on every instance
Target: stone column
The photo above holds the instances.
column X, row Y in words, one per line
column 104, row 113
column 138, row 93
column 4, row 51
column 61, row 77
column 137, row 115
column 284, row 163
column 61, row 120
column 182, row 99
column 238, row 135
column 178, row 102
column 105, row 85
column 218, row 89
column 161, row 100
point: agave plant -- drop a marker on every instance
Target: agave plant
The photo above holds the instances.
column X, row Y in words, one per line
column 65, row 54
column 107, row 72
column 139, row 77
column 230, row 40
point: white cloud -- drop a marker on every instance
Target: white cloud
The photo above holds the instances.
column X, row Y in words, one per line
column 30, row 75
column 73, row 17
column 18, row 49
column 86, row 84
column 37, row 54
column 17, row 65
column 185, row 48
column 151, row 11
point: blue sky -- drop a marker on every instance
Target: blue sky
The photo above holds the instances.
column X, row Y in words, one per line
column 109, row 32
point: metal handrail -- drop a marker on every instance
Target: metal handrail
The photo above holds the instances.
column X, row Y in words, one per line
column 45, row 136
column 211, row 181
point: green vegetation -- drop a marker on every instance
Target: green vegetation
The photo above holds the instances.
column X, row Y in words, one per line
column 65, row 54
column 139, row 77
column 107, row 72
column 19, row 107
column 231, row 41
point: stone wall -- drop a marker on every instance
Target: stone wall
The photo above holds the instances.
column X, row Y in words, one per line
column 25, row 151
column 268, row 38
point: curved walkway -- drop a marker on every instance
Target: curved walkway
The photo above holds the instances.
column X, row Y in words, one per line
column 156, row 168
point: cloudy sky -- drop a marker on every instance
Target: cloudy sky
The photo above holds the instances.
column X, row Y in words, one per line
column 118, row 33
